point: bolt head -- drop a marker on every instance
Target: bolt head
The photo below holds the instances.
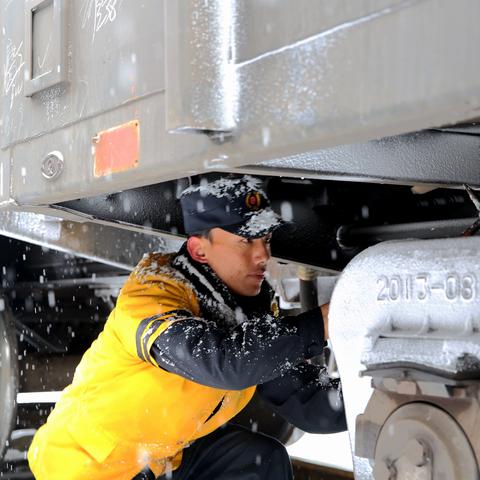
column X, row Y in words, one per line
column 52, row 165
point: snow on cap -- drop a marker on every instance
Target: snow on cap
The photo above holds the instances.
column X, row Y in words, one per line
column 237, row 205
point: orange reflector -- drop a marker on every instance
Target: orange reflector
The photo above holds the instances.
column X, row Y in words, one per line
column 117, row 149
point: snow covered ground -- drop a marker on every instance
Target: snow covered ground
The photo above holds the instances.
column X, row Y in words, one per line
column 331, row 450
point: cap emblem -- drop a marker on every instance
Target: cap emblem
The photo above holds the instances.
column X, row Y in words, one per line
column 253, row 201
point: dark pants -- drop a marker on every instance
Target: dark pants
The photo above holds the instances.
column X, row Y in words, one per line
column 231, row 453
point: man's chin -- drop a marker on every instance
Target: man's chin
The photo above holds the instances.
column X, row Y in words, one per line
column 248, row 289
column 254, row 291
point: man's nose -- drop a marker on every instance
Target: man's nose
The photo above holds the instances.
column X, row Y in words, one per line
column 261, row 251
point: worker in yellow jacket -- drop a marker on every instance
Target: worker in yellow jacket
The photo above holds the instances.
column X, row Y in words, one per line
column 190, row 338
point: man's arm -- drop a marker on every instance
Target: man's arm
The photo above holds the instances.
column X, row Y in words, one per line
column 308, row 398
column 252, row 353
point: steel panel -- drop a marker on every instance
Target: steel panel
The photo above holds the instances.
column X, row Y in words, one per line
column 111, row 61
column 431, row 157
column 379, row 68
column 4, row 177
column 162, row 156
column 396, row 70
column 271, row 25
column 200, row 83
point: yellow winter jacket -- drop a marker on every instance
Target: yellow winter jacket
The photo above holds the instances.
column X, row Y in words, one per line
column 122, row 412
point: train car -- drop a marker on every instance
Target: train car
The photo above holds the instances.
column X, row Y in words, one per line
column 361, row 120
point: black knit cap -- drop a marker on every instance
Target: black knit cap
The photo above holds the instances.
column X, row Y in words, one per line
column 237, row 205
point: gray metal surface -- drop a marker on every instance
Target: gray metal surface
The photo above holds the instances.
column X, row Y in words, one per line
column 123, row 244
column 122, row 247
column 162, row 156
column 418, row 230
column 409, row 302
column 422, row 442
column 287, row 78
column 405, row 409
column 432, row 157
column 276, row 25
column 385, row 71
column 106, row 66
column 200, row 93
column 116, row 75
column 8, row 376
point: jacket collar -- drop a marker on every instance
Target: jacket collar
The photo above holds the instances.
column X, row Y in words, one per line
column 217, row 302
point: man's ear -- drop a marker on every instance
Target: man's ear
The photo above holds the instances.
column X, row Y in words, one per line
column 195, row 247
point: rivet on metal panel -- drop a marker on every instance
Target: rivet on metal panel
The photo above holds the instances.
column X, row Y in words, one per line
column 116, row 149
column 52, row 165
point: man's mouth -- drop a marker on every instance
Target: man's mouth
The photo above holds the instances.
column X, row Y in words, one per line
column 258, row 275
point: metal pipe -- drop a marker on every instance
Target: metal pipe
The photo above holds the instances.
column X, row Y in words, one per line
column 362, row 236
column 308, row 288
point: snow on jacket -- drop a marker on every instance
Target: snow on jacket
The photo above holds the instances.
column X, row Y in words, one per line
column 179, row 356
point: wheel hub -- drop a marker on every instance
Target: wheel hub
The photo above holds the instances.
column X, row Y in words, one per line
column 422, row 442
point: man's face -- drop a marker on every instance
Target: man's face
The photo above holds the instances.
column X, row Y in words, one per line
column 240, row 263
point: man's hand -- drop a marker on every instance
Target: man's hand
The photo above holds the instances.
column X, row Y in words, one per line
column 325, row 308
column 311, row 330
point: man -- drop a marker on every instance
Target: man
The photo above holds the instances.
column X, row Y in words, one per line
column 190, row 338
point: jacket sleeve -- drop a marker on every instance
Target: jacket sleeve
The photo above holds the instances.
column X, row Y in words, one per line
column 308, row 398
column 251, row 353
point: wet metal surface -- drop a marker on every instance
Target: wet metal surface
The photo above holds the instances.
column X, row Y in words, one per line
column 121, row 247
column 410, row 302
column 270, row 80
